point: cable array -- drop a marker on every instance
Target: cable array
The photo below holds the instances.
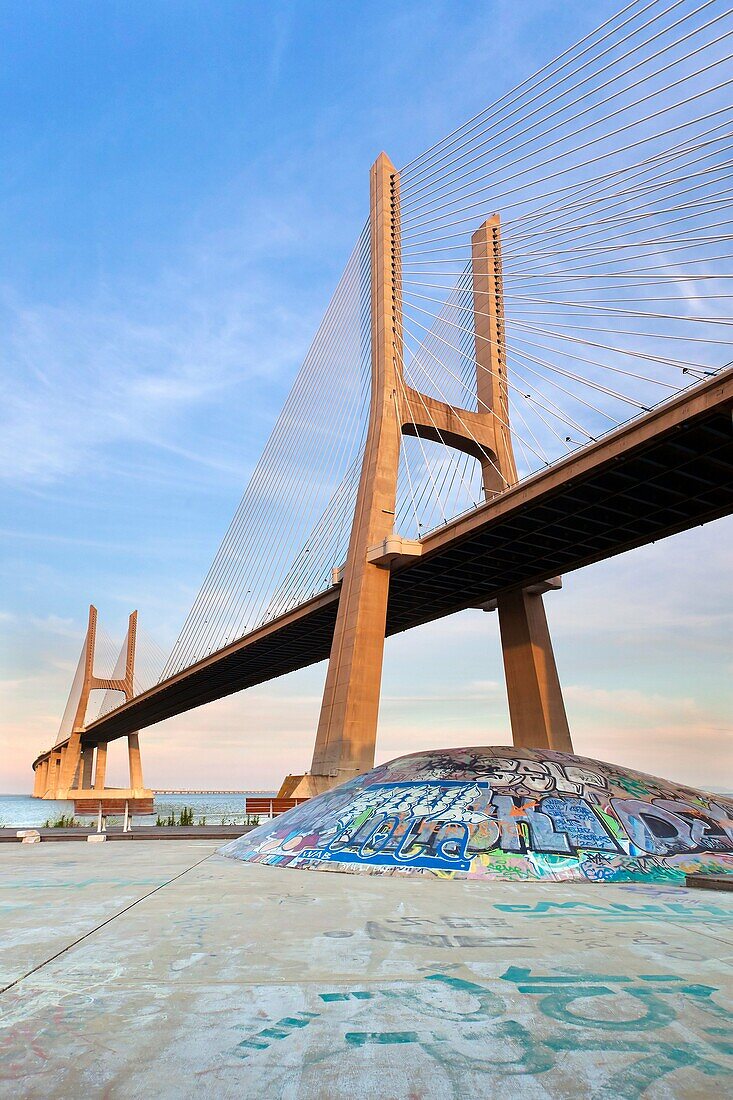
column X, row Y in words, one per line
column 611, row 172
column 67, row 719
column 148, row 665
column 150, row 659
column 293, row 521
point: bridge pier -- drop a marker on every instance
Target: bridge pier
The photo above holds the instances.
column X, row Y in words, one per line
column 40, row 776
column 87, row 765
column 135, row 762
column 536, row 706
column 54, row 771
column 100, row 770
column 70, row 759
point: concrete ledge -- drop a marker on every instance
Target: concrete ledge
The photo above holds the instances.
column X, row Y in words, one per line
column 142, row 832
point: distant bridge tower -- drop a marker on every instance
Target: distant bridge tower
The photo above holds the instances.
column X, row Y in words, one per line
column 347, row 728
column 70, row 770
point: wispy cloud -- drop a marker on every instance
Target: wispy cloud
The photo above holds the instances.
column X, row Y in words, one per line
column 127, row 363
column 78, row 379
column 54, row 625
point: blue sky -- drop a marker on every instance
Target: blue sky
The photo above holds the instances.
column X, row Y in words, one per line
column 181, row 186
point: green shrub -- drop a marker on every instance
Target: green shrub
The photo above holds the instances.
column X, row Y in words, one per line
column 184, row 818
column 63, row 821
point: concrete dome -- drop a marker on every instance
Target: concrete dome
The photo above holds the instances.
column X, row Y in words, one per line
column 502, row 813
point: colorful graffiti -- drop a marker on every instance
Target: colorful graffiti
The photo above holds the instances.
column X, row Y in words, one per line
column 502, row 813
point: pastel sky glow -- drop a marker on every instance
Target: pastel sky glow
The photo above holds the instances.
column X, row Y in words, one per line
column 181, row 186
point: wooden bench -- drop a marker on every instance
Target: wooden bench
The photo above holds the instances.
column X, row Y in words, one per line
column 271, row 807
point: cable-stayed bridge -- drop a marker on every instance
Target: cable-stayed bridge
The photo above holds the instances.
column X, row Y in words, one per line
column 525, row 368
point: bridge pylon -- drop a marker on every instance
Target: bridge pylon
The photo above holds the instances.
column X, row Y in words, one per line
column 76, row 770
column 347, row 727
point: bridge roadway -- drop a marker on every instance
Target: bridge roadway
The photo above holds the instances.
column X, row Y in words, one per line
column 664, row 472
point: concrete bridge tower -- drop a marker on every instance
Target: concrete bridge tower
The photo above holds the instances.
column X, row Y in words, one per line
column 347, row 728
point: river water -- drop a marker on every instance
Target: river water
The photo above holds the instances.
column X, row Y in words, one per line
column 24, row 812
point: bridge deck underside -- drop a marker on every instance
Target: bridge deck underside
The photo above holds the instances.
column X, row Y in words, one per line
column 622, row 497
column 673, row 484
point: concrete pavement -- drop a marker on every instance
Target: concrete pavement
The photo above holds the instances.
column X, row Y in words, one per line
column 167, row 970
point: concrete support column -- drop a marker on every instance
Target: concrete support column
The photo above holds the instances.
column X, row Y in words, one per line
column 87, row 766
column 536, row 704
column 70, row 761
column 49, row 777
column 101, row 766
column 58, row 762
column 53, row 773
column 136, row 767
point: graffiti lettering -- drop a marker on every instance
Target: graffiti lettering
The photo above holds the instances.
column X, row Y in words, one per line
column 508, row 815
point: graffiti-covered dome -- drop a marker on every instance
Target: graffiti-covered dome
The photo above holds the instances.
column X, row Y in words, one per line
column 502, row 813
